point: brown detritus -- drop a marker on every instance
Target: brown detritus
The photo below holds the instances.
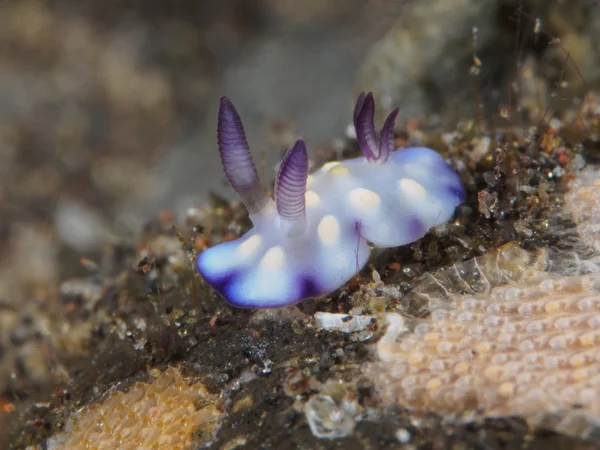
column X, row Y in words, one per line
column 6, row 406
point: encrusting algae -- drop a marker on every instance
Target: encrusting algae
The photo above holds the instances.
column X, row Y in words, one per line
column 509, row 334
column 166, row 413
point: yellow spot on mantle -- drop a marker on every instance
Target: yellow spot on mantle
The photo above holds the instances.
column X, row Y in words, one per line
column 312, row 198
column 364, row 200
column 273, row 259
column 411, row 189
column 329, row 230
column 250, row 245
column 339, row 171
column 330, row 165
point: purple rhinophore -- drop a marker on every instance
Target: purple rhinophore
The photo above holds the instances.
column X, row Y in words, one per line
column 374, row 149
column 386, row 137
column 236, row 158
column 364, row 113
column 290, row 184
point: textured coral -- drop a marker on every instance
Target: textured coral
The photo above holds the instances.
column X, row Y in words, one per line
column 506, row 336
column 167, row 413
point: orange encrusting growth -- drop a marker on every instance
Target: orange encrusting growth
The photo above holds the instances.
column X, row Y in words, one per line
column 167, row 413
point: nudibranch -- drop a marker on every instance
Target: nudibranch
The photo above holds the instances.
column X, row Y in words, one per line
column 316, row 233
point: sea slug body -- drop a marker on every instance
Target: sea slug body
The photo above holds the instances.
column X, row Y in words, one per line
column 314, row 236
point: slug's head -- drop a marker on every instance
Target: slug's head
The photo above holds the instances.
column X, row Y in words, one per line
column 286, row 256
column 290, row 184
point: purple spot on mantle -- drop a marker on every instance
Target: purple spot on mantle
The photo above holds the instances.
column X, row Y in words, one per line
column 416, row 229
column 458, row 193
column 218, row 283
column 309, row 287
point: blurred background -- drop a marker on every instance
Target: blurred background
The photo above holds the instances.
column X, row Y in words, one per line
column 107, row 109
